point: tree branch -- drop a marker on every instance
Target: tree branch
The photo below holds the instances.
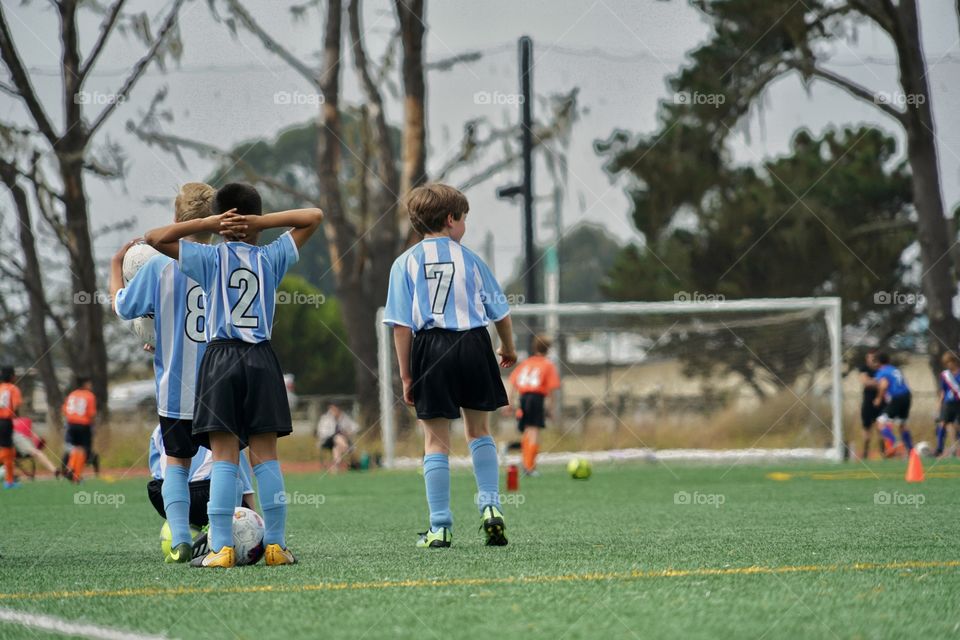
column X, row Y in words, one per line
column 21, row 81
column 272, row 45
column 858, row 91
column 106, row 27
column 139, row 67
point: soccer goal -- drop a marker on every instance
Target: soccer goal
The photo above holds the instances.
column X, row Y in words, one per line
column 697, row 378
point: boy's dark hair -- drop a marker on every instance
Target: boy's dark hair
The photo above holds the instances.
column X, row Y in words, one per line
column 82, row 381
column 240, row 196
column 949, row 358
column 883, row 357
column 541, row 344
column 429, row 205
column 7, row 374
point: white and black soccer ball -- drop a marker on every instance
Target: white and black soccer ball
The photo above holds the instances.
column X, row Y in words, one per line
column 137, row 256
column 247, row 536
column 924, row 450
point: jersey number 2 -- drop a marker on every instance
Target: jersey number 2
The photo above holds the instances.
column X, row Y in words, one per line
column 442, row 273
column 249, row 286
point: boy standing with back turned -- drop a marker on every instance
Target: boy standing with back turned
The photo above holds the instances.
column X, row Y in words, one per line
column 441, row 298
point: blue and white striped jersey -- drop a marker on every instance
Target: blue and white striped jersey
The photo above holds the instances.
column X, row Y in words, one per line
column 438, row 283
column 240, row 281
column 200, row 466
column 176, row 303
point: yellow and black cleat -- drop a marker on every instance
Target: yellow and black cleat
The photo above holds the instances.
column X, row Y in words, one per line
column 183, row 552
column 493, row 526
column 224, row 559
column 438, row 539
column 275, row 555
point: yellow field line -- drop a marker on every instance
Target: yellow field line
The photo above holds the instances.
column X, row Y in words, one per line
column 475, row 582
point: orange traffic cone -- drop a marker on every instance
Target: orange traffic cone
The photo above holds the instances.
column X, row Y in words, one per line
column 914, row 468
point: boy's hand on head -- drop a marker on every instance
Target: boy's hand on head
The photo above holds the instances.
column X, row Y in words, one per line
column 236, row 226
column 507, row 358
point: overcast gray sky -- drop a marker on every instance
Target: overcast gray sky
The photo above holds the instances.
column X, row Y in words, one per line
column 618, row 52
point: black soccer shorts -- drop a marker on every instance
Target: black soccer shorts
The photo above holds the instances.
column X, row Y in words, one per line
column 240, row 390
column 199, row 496
column 898, row 408
column 6, row 433
column 950, row 414
column 453, row 370
column 532, row 413
column 177, row 437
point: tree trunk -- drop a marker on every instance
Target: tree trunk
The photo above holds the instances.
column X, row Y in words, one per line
column 345, row 257
column 938, row 282
column 411, row 16
column 40, row 347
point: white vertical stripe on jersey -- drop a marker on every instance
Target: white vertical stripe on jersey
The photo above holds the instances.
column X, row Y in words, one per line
column 412, row 265
column 167, row 327
column 224, row 278
column 478, row 287
column 430, row 254
column 243, row 256
column 459, row 285
column 260, row 294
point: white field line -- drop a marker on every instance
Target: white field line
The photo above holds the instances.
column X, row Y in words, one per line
column 66, row 627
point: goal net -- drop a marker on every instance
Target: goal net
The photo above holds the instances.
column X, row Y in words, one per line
column 738, row 380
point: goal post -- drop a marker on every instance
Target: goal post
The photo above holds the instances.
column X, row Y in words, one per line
column 700, row 375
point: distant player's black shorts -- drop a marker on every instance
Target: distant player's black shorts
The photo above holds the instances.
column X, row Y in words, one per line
column 329, row 441
column 80, row 435
column 898, row 408
column 6, row 433
column 199, row 496
column 950, row 414
column 869, row 414
column 177, row 437
column 532, row 413
column 453, row 370
column 240, row 390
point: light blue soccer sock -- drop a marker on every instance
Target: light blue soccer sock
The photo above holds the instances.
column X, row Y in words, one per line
column 485, row 469
column 223, row 483
column 273, row 501
column 436, row 476
column 176, row 503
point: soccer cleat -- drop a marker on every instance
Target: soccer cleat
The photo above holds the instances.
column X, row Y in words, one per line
column 275, row 555
column 531, row 474
column 183, row 552
column 11, row 485
column 493, row 526
column 224, row 558
column 435, row 539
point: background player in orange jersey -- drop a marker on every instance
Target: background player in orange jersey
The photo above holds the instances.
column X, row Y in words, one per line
column 79, row 410
column 532, row 382
column 9, row 405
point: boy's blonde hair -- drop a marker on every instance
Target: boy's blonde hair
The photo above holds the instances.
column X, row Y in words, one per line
column 429, row 205
column 541, row 344
column 194, row 201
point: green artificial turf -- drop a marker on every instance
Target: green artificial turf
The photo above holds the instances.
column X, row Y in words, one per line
column 587, row 559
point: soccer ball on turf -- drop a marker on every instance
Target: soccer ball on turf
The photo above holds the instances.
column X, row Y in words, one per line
column 247, row 536
column 133, row 260
column 924, row 450
column 579, row 468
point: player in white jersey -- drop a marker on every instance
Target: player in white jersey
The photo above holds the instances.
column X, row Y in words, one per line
column 241, row 396
column 441, row 298
column 162, row 291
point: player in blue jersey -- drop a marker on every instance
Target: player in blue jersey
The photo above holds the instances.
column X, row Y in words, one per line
column 949, row 400
column 175, row 302
column 894, row 396
column 440, row 300
column 241, row 396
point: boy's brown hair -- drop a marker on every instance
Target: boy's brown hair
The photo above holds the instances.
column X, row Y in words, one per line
column 950, row 358
column 194, row 201
column 429, row 205
column 541, row 344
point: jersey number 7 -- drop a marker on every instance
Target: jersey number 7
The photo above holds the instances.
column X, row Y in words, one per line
column 442, row 274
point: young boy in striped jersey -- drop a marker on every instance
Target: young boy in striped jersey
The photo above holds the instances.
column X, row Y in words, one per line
column 160, row 289
column 893, row 394
column 440, row 300
column 949, row 400
column 241, row 398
